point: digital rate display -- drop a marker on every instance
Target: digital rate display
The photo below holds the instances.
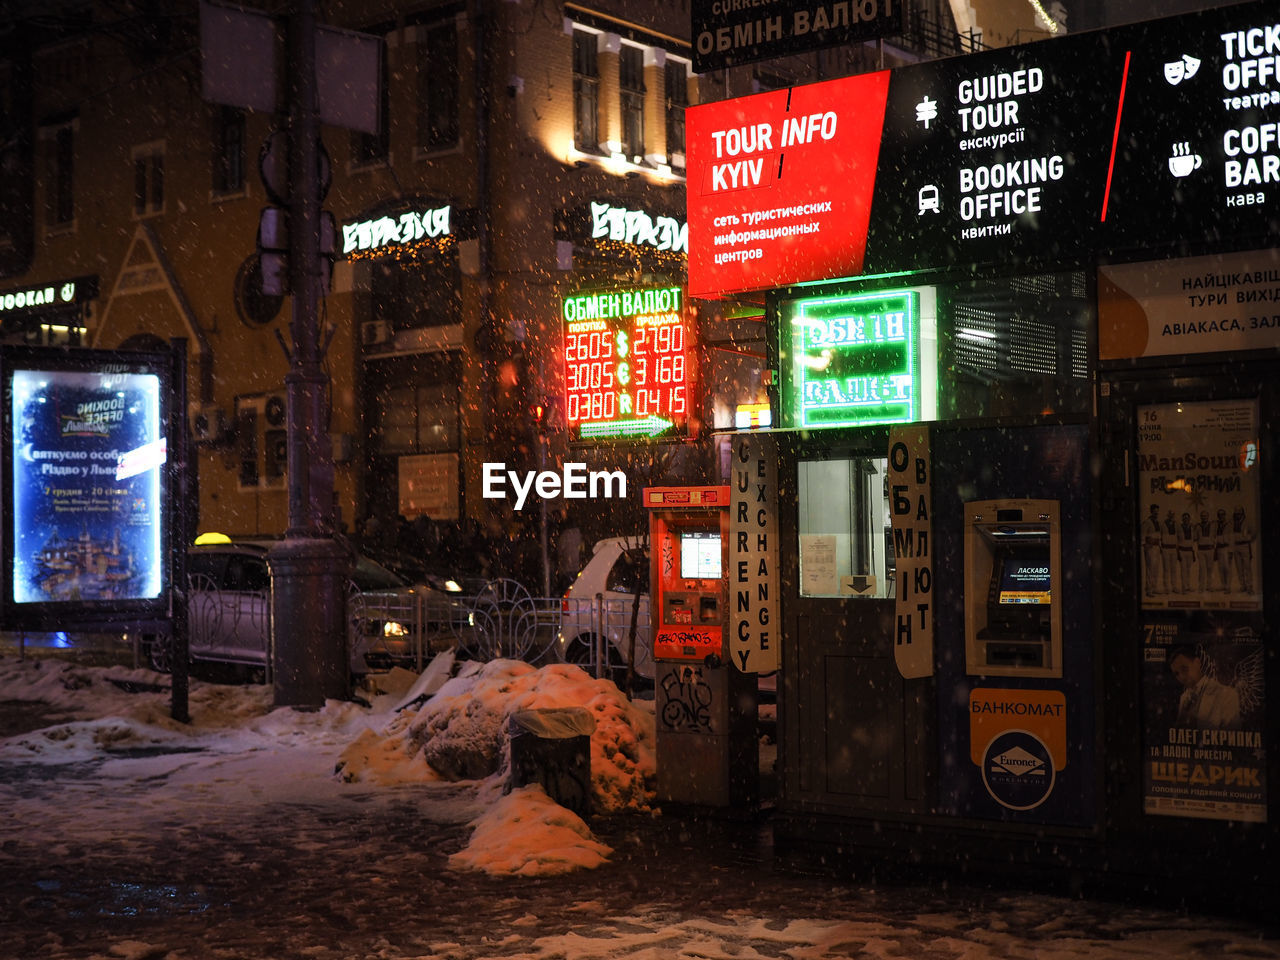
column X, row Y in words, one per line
column 850, row 360
column 628, row 363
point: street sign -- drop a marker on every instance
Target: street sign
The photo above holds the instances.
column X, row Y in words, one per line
column 727, row 33
column 242, row 57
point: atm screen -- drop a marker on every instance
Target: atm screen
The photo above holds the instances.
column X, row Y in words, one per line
column 1024, row 577
column 700, row 556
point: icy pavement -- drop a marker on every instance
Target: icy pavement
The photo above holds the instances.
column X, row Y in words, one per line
column 127, row 836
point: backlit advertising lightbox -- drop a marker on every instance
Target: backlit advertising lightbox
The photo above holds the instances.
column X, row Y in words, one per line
column 852, row 360
column 1157, row 134
column 84, row 479
column 780, row 184
column 628, row 364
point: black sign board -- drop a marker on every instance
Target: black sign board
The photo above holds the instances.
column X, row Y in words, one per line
column 997, row 156
column 1151, row 135
column 1198, row 146
column 727, row 33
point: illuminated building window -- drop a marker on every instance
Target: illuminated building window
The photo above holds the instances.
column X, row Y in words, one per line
column 586, row 92
column 228, row 151
column 677, row 98
column 631, row 91
column 60, row 207
column 438, row 86
column 413, row 405
column 148, row 179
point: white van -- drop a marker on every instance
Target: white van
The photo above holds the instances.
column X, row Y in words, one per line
column 598, row 607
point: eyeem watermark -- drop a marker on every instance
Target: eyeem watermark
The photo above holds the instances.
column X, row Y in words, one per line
column 574, row 482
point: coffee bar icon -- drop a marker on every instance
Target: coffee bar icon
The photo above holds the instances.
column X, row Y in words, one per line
column 1183, row 161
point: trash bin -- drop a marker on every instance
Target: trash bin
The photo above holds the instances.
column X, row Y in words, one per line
column 552, row 747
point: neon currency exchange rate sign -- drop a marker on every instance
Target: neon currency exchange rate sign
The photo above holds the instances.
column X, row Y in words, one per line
column 628, row 357
column 853, row 360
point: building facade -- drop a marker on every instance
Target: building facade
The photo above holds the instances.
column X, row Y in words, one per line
column 524, row 153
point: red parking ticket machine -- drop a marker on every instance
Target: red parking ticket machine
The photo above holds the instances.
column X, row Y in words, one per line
column 706, row 712
column 688, row 534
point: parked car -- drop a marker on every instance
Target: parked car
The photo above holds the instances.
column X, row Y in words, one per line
column 229, row 611
column 598, row 606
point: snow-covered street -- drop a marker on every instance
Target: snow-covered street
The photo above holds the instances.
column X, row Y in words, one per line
column 129, row 836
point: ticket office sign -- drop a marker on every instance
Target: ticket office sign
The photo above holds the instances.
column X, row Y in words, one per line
column 1198, row 146
column 629, row 364
column 1145, row 136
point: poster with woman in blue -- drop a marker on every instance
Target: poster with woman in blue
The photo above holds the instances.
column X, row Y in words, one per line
column 86, row 483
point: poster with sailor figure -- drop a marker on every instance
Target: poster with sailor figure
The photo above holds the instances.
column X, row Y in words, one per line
column 1198, row 500
column 87, row 457
column 1204, row 737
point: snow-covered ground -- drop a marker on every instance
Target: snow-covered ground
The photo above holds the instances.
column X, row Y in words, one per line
column 107, row 778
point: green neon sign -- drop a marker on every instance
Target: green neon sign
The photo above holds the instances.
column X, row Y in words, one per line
column 650, row 426
column 852, row 360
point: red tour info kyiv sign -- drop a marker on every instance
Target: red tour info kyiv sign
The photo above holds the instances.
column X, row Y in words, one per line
column 780, row 184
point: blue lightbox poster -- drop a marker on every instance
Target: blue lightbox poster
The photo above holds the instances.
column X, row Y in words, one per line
column 86, row 486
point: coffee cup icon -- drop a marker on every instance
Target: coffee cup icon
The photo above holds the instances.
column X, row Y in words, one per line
column 1183, row 161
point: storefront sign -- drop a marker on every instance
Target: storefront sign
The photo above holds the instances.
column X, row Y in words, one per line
column 911, row 508
column 1019, row 740
column 1137, row 137
column 780, row 184
column 1199, row 479
column 851, row 360
column 429, row 486
column 1204, row 707
column 629, row 363
column 386, row 234
column 85, row 482
column 638, row 227
column 1197, row 305
column 753, row 555
column 731, row 32
column 45, row 296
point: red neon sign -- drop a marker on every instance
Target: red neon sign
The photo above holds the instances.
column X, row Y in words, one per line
column 780, row 184
column 628, row 358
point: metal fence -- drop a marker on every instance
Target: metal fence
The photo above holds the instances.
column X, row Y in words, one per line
column 503, row 620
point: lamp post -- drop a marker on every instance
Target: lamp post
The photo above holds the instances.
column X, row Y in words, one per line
column 309, row 642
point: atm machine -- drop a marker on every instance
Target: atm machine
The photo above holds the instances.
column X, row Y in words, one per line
column 705, row 711
column 1013, row 588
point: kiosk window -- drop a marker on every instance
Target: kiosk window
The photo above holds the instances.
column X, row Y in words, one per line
column 846, row 537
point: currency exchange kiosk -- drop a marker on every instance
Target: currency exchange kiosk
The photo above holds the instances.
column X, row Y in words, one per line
column 705, row 711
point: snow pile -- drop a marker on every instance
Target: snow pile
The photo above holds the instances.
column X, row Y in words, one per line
column 528, row 834
column 461, row 732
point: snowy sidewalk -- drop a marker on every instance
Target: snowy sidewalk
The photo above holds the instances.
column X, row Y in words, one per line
column 127, row 836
